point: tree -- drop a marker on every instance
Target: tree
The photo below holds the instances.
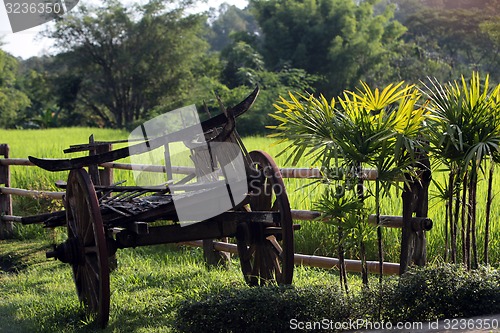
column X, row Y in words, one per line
column 230, row 19
column 465, row 136
column 12, row 99
column 36, row 82
column 124, row 61
column 460, row 38
column 243, row 69
column 341, row 40
column 240, row 60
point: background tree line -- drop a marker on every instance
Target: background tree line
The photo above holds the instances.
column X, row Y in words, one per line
column 118, row 65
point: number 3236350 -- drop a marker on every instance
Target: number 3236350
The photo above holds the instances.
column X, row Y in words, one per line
column 471, row 324
column 33, row 8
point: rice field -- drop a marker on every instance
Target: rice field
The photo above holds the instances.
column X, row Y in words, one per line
column 313, row 238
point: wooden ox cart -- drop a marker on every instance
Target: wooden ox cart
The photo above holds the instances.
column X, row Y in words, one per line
column 102, row 219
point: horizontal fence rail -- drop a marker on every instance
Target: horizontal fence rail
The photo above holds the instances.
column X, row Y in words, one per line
column 314, row 261
column 32, row 193
column 298, row 173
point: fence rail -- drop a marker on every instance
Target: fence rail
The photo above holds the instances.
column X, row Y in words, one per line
column 298, row 173
column 315, row 261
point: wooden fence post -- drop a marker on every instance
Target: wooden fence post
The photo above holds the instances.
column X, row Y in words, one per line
column 415, row 200
column 6, row 227
column 104, row 177
column 105, row 174
column 213, row 257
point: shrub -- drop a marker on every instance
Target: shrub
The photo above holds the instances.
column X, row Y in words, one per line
column 448, row 291
column 268, row 309
column 421, row 294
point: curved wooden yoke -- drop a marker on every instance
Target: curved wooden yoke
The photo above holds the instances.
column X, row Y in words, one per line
column 223, row 123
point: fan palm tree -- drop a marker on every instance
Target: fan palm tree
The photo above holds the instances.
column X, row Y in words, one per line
column 366, row 128
column 465, row 136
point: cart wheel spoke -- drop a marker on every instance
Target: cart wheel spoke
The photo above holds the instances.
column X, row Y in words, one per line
column 275, row 246
column 91, row 249
column 256, row 264
column 88, row 235
column 90, row 267
column 275, row 206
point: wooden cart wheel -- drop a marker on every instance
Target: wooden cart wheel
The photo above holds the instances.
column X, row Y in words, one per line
column 86, row 234
column 266, row 252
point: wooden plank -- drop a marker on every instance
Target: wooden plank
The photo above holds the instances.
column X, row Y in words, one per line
column 15, row 161
column 315, row 173
column 93, row 169
column 298, row 173
column 220, row 226
column 11, row 218
column 388, row 221
column 181, row 170
column 106, row 175
column 52, row 219
column 177, row 233
column 32, row 193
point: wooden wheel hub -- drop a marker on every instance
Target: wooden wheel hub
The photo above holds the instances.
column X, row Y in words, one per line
column 71, row 252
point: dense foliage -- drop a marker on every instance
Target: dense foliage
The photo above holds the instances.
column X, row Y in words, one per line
column 343, row 41
column 419, row 295
column 12, row 99
column 118, row 65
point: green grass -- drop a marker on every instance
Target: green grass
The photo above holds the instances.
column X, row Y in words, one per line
column 313, row 238
column 148, row 286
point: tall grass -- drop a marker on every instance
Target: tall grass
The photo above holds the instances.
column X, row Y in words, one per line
column 314, row 237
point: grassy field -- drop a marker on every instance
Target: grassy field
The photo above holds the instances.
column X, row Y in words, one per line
column 38, row 295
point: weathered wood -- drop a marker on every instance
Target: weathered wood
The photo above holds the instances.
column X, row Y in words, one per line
column 213, row 257
column 177, row 233
column 421, row 210
column 314, row 261
column 181, row 170
column 94, row 145
column 299, row 173
column 418, row 223
column 106, row 174
column 11, row 218
column 50, row 219
column 415, row 200
column 31, row 193
column 15, row 161
column 6, row 227
column 315, row 173
column 220, row 226
column 93, row 169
